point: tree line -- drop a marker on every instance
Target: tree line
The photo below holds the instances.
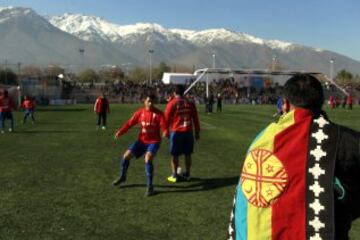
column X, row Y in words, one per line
column 111, row 74
column 106, row 74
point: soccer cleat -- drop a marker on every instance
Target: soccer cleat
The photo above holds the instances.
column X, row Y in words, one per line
column 103, row 128
column 121, row 179
column 186, row 177
column 2, row 131
column 172, row 179
column 11, row 130
column 149, row 192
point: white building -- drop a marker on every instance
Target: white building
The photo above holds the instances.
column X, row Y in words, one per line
column 178, row 78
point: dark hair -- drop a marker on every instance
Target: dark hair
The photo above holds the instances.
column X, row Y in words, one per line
column 179, row 89
column 305, row 91
column 150, row 95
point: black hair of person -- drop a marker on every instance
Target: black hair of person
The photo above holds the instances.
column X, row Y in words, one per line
column 179, row 90
column 304, row 91
column 149, row 95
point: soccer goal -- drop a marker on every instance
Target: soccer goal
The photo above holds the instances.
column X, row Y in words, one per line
column 207, row 74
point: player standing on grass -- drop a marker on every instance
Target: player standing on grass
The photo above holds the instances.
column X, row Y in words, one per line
column 279, row 107
column 181, row 115
column 29, row 106
column 6, row 107
column 150, row 120
column 101, row 108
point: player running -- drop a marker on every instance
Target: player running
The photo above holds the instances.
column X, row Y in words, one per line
column 181, row 115
column 150, row 120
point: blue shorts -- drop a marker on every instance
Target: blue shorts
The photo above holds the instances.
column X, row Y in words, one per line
column 181, row 143
column 28, row 112
column 138, row 148
column 6, row 115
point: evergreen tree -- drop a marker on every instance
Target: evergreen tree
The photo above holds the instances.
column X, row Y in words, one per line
column 8, row 77
column 344, row 78
column 88, row 75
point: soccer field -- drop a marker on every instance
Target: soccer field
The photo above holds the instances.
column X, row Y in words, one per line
column 56, row 177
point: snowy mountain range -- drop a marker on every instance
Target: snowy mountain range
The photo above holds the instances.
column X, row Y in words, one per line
column 29, row 37
column 92, row 28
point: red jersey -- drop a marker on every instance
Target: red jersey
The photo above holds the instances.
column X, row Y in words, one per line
column 150, row 122
column 28, row 104
column 101, row 105
column 349, row 100
column 6, row 104
column 181, row 115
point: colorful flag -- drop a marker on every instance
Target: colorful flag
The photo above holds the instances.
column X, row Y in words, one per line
column 286, row 184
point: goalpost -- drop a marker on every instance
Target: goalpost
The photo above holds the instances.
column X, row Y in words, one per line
column 205, row 71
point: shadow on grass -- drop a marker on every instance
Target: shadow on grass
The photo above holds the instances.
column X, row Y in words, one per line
column 194, row 185
column 61, row 109
column 48, row 131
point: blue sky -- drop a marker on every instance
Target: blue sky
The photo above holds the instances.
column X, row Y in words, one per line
column 327, row 24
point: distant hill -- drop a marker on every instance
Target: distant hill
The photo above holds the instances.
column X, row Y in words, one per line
column 30, row 38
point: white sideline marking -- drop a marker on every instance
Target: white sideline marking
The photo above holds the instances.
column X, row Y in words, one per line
column 207, row 126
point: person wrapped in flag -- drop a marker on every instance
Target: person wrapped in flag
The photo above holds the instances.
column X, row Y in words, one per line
column 151, row 120
column 299, row 179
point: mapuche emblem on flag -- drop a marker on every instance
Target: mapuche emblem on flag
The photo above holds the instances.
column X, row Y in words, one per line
column 263, row 178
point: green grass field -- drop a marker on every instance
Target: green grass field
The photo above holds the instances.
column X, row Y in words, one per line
column 56, row 175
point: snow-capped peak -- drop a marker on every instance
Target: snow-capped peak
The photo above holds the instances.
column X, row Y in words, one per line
column 23, row 14
column 183, row 33
column 12, row 12
column 276, row 44
column 92, row 28
column 6, row 8
column 86, row 27
column 141, row 28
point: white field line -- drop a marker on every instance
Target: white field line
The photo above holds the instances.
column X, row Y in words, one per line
column 207, row 126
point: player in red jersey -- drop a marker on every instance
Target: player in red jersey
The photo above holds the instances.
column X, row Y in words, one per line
column 349, row 102
column 151, row 120
column 181, row 116
column 29, row 106
column 7, row 105
column 101, row 108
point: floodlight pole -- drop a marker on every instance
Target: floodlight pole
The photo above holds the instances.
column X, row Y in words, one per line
column 151, row 51
column 207, row 85
column 82, row 58
column 332, row 68
column 214, row 60
column 6, row 71
column 126, row 68
column 19, row 95
column 273, row 63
